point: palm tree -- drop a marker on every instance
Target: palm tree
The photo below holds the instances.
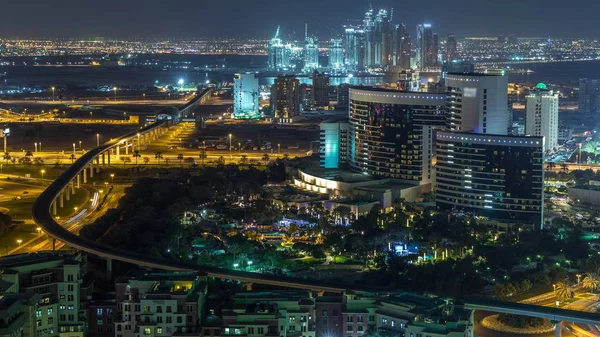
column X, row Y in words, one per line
column 180, row 158
column 158, row 156
column 57, row 165
column 72, row 157
column 286, row 156
column 550, row 166
column 136, row 155
column 590, row 282
column 167, row 160
column 6, row 157
column 562, row 291
column 202, row 156
column 146, row 160
column 221, row 160
column 564, row 167
column 266, row 158
column 125, row 160
column 244, row 160
column 28, row 154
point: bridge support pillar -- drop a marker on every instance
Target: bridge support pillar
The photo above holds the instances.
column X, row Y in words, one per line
column 92, row 170
column 109, row 158
column 78, row 180
column 72, row 187
column 61, row 199
column 557, row 328
column 67, row 194
column 126, row 148
column 103, row 160
column 98, row 164
column 53, row 244
column 471, row 326
column 109, row 268
column 54, row 207
column 248, row 286
column 118, row 152
column 84, row 173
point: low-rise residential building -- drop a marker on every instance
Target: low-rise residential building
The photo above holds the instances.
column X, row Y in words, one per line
column 159, row 304
column 56, row 278
column 292, row 313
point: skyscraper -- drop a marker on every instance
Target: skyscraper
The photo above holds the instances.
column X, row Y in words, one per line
column 451, row 48
column 498, row 177
column 401, row 47
column 320, row 89
column 477, row 103
column 333, row 142
column 355, row 48
column 276, row 50
column 369, row 27
column 589, row 96
column 541, row 117
column 427, row 46
column 336, row 54
column 285, row 98
column 245, row 95
column 390, row 133
column 311, row 53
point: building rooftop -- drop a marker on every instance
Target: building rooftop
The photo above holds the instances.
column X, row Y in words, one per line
column 339, row 175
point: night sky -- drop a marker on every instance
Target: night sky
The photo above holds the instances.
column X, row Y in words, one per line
column 259, row 18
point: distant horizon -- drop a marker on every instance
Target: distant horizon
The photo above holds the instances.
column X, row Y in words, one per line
column 243, row 19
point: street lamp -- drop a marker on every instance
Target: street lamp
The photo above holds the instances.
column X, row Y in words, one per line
column 278, row 149
column 53, row 94
column 554, row 286
column 40, row 147
column 97, row 139
column 75, row 208
column 239, row 147
column 73, row 148
column 230, row 156
column 578, row 278
column 42, row 172
column 80, row 146
column 112, row 178
column 19, row 241
column 39, row 230
column 35, row 147
column 115, row 90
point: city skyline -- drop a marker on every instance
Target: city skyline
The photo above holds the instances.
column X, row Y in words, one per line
column 244, row 20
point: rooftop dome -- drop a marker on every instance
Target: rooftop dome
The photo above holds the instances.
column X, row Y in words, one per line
column 541, row 86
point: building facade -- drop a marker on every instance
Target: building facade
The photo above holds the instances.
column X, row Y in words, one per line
column 541, row 116
column 390, row 132
column 589, row 95
column 320, row 90
column 245, row 96
column 333, row 143
column 427, row 47
column 159, row 304
column 477, row 103
column 285, row 98
column 451, row 48
column 336, row 54
column 495, row 176
column 56, row 278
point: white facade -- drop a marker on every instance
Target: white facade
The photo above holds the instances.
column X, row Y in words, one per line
column 245, row 94
column 478, row 103
column 541, row 118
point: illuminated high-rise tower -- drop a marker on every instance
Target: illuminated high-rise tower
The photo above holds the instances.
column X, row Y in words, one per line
column 355, row 48
column 401, row 47
column 427, row 46
column 336, row 55
column 451, row 49
column 311, row 53
column 277, row 54
column 541, row 117
column 245, row 95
